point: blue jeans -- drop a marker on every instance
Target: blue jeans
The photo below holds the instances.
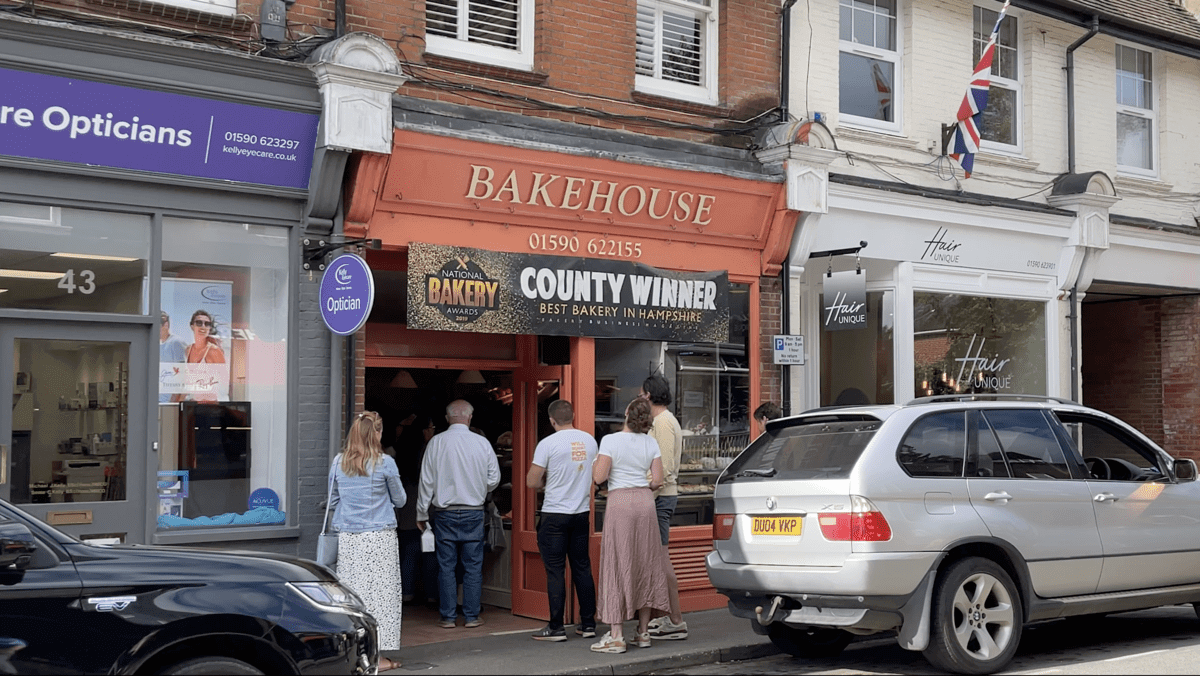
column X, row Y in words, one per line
column 410, row 560
column 459, row 536
column 665, row 506
column 561, row 537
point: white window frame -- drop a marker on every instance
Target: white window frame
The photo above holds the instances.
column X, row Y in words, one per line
column 1017, row 86
column 217, row 7
column 1150, row 114
column 707, row 93
column 896, row 58
column 520, row 58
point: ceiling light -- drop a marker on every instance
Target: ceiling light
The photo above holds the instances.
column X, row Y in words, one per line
column 404, row 380
column 95, row 257
column 30, row 274
column 470, row 378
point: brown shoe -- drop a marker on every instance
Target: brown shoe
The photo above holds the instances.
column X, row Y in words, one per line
column 471, row 624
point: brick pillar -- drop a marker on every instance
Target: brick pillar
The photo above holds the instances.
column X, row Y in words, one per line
column 770, row 315
column 1181, row 376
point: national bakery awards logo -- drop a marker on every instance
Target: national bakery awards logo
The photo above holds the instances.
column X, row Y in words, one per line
column 461, row 290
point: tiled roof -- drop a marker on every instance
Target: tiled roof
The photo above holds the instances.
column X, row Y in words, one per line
column 1167, row 18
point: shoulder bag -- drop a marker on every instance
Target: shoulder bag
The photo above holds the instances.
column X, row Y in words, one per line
column 327, row 541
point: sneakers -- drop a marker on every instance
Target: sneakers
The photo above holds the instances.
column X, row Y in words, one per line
column 642, row 640
column 608, row 644
column 663, row 628
column 478, row 622
column 548, row 634
column 446, row 624
column 586, row 632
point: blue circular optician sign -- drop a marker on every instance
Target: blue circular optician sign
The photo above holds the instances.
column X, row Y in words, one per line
column 347, row 292
column 264, row 497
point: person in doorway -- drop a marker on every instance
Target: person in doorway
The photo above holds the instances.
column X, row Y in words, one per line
column 458, row 472
column 633, row 579
column 365, row 491
column 767, row 410
column 408, row 446
column 561, row 468
column 666, row 431
column 171, row 349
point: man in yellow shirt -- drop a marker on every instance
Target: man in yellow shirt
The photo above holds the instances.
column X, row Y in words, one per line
column 666, row 431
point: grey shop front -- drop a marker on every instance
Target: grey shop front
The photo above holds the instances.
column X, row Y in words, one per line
column 152, row 193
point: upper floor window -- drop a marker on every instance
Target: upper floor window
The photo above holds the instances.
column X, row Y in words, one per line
column 1002, row 117
column 1135, row 110
column 869, row 63
column 218, row 7
column 495, row 32
column 676, row 49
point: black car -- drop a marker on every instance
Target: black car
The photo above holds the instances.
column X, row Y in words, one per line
column 67, row 607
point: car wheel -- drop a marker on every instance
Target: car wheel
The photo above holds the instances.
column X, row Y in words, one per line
column 808, row 641
column 212, row 666
column 977, row 618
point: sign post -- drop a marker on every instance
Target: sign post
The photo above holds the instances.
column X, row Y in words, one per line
column 347, row 293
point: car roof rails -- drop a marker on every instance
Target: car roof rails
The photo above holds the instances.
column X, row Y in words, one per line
column 983, row 396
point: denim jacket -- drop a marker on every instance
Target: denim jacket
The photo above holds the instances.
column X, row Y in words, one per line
column 365, row 503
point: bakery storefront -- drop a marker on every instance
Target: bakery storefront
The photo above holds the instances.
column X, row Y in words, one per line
column 513, row 277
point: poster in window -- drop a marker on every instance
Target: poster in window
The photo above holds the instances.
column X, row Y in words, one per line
column 194, row 340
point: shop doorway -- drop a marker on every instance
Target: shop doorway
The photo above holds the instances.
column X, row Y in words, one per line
column 511, row 413
column 73, row 426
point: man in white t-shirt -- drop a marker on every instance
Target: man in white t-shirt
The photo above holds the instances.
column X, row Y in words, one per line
column 562, row 468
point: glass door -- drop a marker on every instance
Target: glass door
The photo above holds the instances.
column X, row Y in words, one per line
column 73, row 426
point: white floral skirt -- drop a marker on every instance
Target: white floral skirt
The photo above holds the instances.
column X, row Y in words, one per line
column 369, row 564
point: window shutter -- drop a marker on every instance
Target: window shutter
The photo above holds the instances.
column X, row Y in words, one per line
column 488, row 22
column 682, row 48
column 645, row 40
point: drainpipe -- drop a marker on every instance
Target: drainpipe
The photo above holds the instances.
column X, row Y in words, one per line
column 786, row 65
column 339, row 18
column 1074, row 323
column 1092, row 31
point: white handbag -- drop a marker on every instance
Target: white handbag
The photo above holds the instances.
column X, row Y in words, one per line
column 327, row 541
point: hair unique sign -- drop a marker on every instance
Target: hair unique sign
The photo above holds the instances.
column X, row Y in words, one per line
column 845, row 296
column 462, row 289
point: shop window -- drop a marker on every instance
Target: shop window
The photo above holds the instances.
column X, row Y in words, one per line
column 55, row 258
column 223, row 375
column 710, row 390
column 977, row 344
column 857, row 365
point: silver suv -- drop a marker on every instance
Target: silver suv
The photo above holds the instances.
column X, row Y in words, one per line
column 953, row 521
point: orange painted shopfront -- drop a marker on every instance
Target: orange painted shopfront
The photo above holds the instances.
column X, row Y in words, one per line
column 447, row 191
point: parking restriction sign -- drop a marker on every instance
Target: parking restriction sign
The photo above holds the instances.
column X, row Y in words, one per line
column 789, row 350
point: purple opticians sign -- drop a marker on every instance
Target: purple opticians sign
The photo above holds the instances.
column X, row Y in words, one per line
column 347, row 293
column 45, row 117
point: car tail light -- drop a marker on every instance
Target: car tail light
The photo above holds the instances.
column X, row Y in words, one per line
column 723, row 526
column 863, row 523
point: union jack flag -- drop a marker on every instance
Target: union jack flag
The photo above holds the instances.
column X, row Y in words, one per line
column 965, row 141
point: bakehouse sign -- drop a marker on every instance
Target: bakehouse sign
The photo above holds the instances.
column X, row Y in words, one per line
column 462, row 289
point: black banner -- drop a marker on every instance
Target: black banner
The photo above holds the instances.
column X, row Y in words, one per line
column 463, row 289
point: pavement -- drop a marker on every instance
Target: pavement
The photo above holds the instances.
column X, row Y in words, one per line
column 713, row 636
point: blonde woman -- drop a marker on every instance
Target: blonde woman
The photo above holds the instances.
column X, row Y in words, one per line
column 365, row 489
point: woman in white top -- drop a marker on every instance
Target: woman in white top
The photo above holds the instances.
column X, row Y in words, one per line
column 632, row 571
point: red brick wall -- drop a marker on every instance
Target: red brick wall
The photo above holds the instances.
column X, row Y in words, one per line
column 1141, row 363
column 583, row 56
column 770, row 317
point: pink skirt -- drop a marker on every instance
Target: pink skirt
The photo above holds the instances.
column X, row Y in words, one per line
column 633, row 561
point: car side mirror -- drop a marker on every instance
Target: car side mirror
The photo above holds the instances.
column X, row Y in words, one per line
column 1185, row 470
column 16, row 546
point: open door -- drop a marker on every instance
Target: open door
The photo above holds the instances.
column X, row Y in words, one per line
column 533, row 390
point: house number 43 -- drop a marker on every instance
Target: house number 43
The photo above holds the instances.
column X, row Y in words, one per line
column 85, row 284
